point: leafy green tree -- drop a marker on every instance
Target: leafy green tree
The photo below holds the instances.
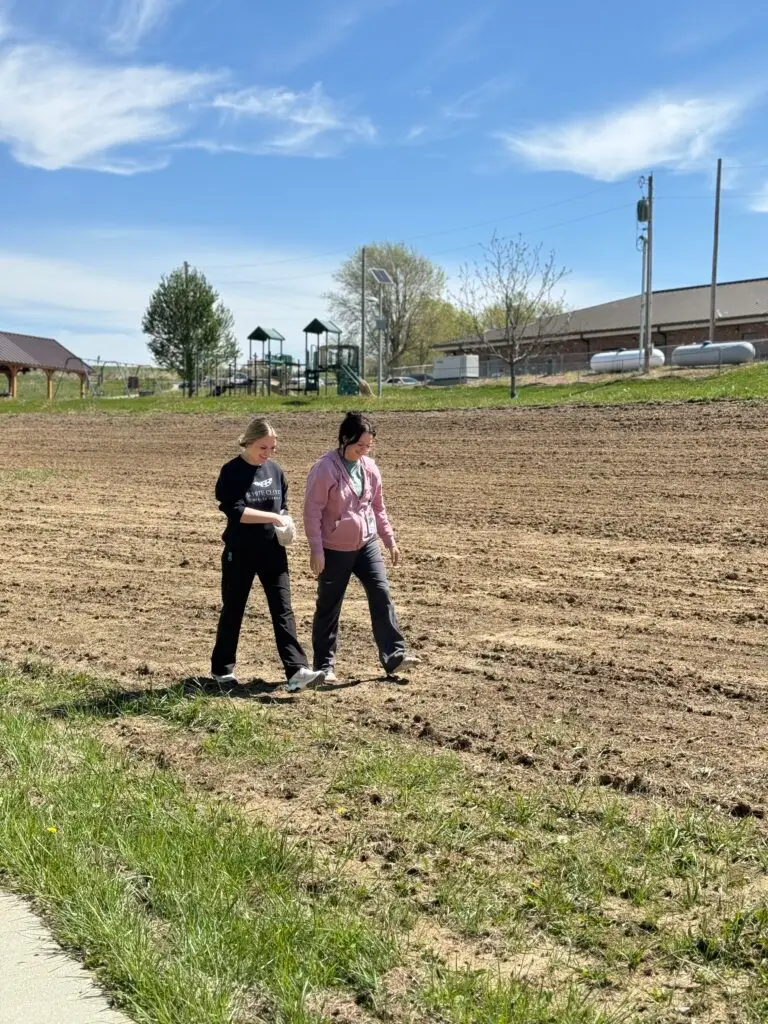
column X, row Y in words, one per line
column 405, row 305
column 441, row 321
column 188, row 324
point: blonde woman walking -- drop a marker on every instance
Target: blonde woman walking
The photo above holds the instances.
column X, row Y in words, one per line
column 253, row 494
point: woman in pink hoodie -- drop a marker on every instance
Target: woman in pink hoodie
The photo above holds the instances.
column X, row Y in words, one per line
column 344, row 516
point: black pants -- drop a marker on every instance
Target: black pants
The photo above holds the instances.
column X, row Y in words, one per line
column 238, row 570
column 368, row 565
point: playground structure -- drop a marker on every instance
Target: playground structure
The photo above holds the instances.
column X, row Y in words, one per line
column 327, row 364
column 331, row 359
column 261, row 374
column 108, row 378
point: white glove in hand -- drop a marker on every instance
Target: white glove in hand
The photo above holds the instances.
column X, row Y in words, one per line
column 286, row 535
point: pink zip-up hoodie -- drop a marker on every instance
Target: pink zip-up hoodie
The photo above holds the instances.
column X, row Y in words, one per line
column 334, row 516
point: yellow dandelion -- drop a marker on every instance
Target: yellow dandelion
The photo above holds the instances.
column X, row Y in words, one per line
column 53, row 830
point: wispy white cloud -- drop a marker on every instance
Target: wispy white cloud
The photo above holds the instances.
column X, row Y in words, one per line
column 95, row 308
column 57, row 111
column 689, row 38
column 337, row 24
column 470, row 104
column 307, row 123
column 136, row 19
column 658, row 132
column 759, row 202
column 457, row 46
column 416, row 133
column 60, row 110
column 452, row 118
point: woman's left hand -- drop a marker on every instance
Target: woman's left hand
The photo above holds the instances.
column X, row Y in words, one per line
column 395, row 553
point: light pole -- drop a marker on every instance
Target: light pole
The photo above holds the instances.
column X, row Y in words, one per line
column 384, row 280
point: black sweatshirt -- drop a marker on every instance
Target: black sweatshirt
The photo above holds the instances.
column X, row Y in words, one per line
column 240, row 486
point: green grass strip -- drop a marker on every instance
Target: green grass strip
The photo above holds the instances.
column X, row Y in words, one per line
column 187, row 910
column 750, row 382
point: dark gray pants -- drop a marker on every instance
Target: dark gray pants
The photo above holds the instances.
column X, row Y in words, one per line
column 368, row 565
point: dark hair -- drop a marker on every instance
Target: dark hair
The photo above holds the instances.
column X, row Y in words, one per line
column 352, row 428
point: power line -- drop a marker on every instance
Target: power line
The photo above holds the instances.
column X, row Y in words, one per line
column 727, row 194
column 458, row 248
column 415, row 238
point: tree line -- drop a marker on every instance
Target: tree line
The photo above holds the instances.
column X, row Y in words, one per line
column 507, row 297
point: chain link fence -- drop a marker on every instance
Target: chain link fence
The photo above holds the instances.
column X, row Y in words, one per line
column 558, row 364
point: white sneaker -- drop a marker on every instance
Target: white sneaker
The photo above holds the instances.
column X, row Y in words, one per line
column 405, row 662
column 330, row 676
column 303, row 678
column 228, row 679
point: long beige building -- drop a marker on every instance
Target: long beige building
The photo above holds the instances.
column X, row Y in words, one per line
column 679, row 316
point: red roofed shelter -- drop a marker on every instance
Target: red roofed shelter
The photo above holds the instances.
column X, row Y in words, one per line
column 20, row 352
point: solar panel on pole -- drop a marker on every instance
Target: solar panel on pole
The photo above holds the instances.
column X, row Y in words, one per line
column 384, row 279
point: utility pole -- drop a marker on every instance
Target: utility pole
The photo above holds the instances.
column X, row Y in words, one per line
column 715, row 246
column 643, row 242
column 381, row 341
column 362, row 321
column 649, row 288
column 382, row 279
column 189, row 357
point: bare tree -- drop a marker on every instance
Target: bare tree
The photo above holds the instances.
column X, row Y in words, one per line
column 509, row 296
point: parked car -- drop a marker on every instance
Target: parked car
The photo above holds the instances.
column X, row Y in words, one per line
column 403, row 382
column 233, row 384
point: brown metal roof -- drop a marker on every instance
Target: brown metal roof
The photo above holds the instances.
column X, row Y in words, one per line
column 38, row 353
column 737, row 301
column 10, row 351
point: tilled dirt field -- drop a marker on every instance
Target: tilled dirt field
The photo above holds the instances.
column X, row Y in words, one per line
column 588, row 589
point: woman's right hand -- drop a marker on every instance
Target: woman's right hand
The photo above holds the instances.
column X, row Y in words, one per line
column 280, row 520
column 316, row 564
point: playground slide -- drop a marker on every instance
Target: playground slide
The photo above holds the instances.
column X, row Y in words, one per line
column 353, row 381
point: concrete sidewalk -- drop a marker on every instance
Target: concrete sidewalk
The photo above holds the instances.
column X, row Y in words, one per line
column 39, row 983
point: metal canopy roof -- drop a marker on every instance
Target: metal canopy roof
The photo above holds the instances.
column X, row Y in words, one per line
column 25, row 350
column 265, row 334
column 322, row 327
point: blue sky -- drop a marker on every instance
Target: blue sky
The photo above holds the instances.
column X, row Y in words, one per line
column 263, row 142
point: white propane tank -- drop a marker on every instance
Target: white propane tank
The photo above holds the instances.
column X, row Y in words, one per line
column 623, row 360
column 713, row 353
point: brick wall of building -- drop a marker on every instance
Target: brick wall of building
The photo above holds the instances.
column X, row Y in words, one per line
column 589, row 346
column 574, row 353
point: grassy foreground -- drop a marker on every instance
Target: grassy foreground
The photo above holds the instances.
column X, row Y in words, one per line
column 564, row 905
column 749, row 382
